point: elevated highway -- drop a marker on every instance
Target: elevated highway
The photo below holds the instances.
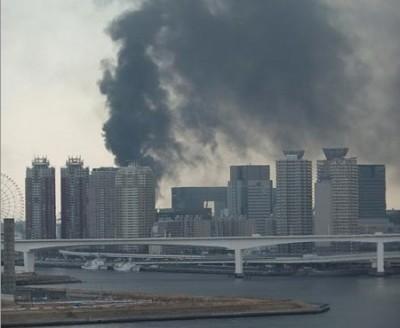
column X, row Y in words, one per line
column 237, row 244
column 199, row 259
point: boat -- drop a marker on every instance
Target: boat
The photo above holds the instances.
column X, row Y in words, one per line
column 96, row 264
column 126, row 267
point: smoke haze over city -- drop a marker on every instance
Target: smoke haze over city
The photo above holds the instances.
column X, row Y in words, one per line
column 267, row 76
column 205, row 84
column 183, row 161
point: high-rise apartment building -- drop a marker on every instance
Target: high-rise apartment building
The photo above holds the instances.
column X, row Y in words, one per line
column 250, row 195
column 101, row 214
column 293, row 208
column 336, row 194
column 372, row 192
column 40, row 203
column 135, row 201
column 74, row 199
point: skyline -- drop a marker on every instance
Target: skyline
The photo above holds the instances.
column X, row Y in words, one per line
column 177, row 160
column 167, row 201
column 51, row 97
column 164, row 197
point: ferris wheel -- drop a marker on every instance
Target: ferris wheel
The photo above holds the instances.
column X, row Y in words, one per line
column 12, row 199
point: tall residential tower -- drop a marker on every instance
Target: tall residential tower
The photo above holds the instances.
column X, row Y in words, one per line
column 336, row 194
column 101, row 207
column 40, row 203
column 134, row 201
column 293, row 209
column 74, row 199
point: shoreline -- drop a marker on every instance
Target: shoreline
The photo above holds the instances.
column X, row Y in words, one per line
column 87, row 307
column 247, row 272
column 32, row 278
column 318, row 309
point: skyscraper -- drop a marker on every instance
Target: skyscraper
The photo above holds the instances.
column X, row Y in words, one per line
column 101, row 216
column 135, row 201
column 250, row 195
column 372, row 192
column 293, row 207
column 336, row 194
column 40, row 204
column 74, row 199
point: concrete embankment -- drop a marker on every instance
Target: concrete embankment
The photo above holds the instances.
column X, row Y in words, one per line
column 31, row 278
column 90, row 308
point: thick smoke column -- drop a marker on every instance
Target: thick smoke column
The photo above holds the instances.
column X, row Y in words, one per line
column 249, row 71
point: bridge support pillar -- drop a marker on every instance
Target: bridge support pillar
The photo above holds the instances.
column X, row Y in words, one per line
column 380, row 258
column 29, row 262
column 239, row 263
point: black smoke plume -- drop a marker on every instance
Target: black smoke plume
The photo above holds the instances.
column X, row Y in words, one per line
column 257, row 72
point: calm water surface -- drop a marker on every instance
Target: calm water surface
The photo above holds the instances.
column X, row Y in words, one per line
column 366, row 302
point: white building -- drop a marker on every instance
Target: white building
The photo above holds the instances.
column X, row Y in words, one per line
column 134, row 201
column 293, row 209
column 337, row 194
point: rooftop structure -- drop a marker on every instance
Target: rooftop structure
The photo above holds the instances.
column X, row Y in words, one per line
column 332, row 153
column 40, row 161
column 293, row 154
column 74, row 199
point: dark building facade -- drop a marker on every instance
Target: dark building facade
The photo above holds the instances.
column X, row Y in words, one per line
column 197, row 198
column 40, row 202
column 250, row 195
column 101, row 207
column 8, row 258
column 394, row 218
column 372, row 191
column 74, row 199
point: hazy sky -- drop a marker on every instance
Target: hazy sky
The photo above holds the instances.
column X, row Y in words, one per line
column 51, row 53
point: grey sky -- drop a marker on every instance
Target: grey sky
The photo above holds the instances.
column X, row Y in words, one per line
column 51, row 104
